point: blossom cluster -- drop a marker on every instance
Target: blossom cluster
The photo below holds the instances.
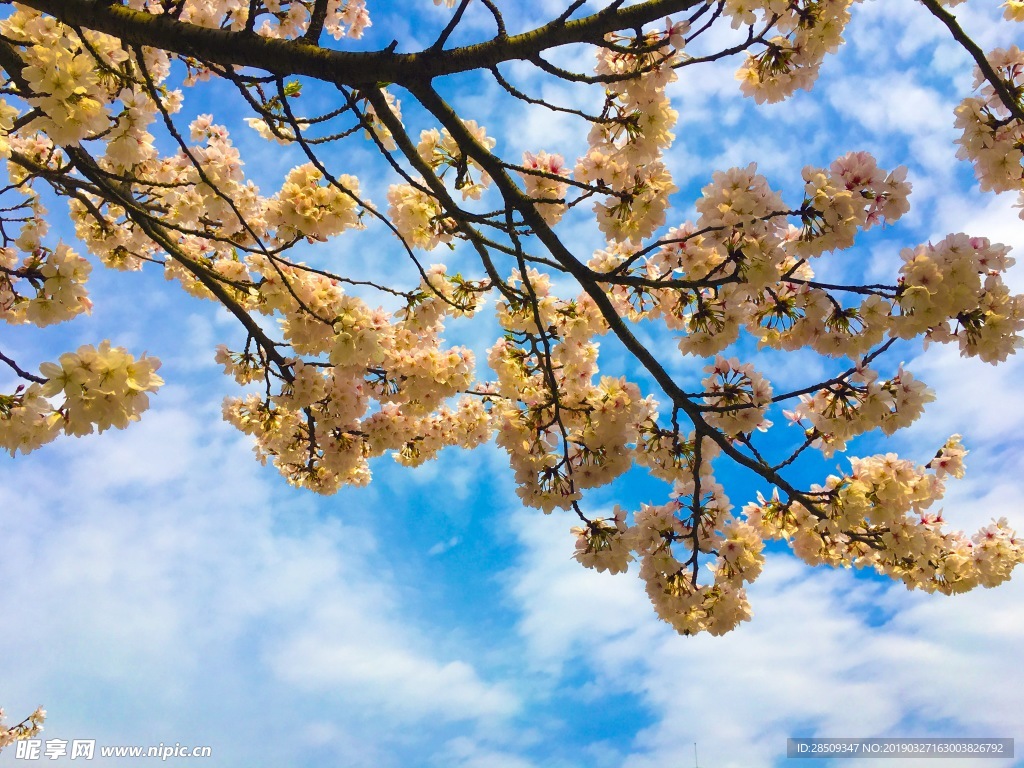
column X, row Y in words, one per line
column 808, row 30
column 414, row 210
column 878, row 516
column 316, row 421
column 740, row 396
column 746, row 267
column 953, row 291
column 875, row 516
column 306, row 208
column 564, row 432
column 54, row 281
column 275, row 18
column 95, row 389
column 695, row 521
column 419, row 217
column 991, row 136
column 28, row 728
column 442, row 153
column 854, row 194
column 625, row 146
column 857, row 404
column 543, row 185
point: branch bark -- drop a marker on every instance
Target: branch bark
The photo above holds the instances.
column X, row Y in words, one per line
column 302, row 57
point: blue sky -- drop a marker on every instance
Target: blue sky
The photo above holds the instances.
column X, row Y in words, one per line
column 160, row 586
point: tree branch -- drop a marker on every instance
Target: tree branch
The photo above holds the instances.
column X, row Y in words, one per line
column 21, row 373
column 1005, row 95
column 301, row 57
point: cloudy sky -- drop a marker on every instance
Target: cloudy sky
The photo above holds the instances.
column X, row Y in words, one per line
column 159, row 586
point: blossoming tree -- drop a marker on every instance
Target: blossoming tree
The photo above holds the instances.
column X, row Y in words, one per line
column 89, row 113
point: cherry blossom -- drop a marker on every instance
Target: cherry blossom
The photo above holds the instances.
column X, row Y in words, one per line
column 337, row 366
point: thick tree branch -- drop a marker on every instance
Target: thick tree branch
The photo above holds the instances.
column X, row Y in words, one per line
column 301, row 57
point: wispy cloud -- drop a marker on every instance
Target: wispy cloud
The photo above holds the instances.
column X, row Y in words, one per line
column 829, row 654
column 164, row 560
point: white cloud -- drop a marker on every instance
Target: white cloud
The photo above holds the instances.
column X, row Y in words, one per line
column 163, row 560
column 443, row 546
column 900, row 105
column 984, row 404
column 567, row 608
column 466, row 753
column 971, row 397
column 827, row 654
column 370, row 667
